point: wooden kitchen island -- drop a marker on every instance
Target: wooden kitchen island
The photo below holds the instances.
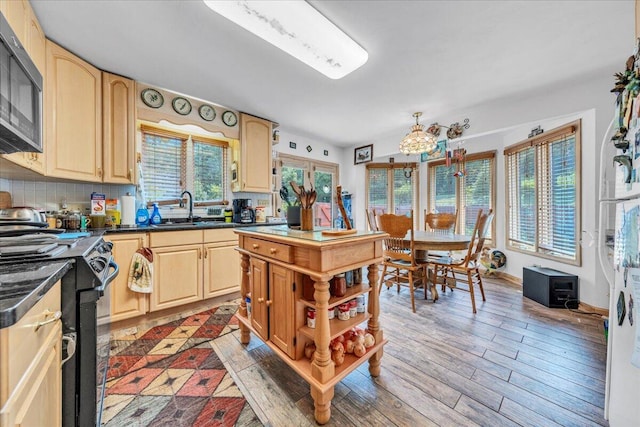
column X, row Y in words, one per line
column 276, row 262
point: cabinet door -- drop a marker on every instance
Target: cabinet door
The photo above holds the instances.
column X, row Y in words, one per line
column 37, row 400
column 72, row 116
column 118, row 108
column 282, row 309
column 258, row 276
column 124, row 302
column 177, row 276
column 16, row 12
column 255, row 167
column 221, row 269
column 36, row 41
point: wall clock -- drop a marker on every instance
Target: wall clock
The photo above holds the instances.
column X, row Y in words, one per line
column 207, row 112
column 181, row 105
column 152, row 98
column 229, row 118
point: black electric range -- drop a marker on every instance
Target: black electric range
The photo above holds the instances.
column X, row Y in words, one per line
column 85, row 343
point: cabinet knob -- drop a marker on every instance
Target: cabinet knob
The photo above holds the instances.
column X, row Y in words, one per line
column 269, row 302
column 273, row 250
column 100, row 172
column 260, row 300
column 129, row 174
column 256, row 246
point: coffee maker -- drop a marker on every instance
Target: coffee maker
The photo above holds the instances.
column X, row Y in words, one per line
column 243, row 212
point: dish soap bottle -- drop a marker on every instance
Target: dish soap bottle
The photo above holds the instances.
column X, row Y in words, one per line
column 142, row 216
column 155, row 215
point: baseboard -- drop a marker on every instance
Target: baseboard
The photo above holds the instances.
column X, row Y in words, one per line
column 591, row 309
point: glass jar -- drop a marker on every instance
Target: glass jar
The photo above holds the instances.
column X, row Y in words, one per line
column 343, row 311
column 361, row 304
column 338, row 285
column 52, row 220
column 353, row 308
column 73, row 221
column 332, row 313
column 311, row 317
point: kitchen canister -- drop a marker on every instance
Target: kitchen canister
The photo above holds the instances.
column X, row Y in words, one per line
column 260, row 214
column 128, row 204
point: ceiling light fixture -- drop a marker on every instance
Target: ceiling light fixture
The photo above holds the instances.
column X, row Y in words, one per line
column 299, row 30
column 417, row 140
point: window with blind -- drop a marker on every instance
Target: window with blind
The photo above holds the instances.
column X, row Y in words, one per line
column 392, row 188
column 173, row 162
column 466, row 194
column 543, row 194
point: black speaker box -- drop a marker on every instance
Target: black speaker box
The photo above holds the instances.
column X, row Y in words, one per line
column 551, row 288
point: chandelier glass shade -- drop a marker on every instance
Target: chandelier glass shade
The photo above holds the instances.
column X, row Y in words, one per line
column 418, row 141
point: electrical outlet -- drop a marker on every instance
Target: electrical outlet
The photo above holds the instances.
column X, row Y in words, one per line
column 263, row 202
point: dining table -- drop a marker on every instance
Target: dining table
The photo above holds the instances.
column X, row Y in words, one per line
column 438, row 241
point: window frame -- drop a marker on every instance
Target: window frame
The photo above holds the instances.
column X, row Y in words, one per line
column 187, row 161
column 309, row 167
column 391, row 167
column 538, row 143
column 485, row 155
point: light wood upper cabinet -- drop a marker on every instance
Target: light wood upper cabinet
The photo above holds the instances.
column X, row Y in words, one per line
column 36, row 41
column 124, row 302
column 73, row 116
column 118, row 111
column 252, row 156
column 17, row 12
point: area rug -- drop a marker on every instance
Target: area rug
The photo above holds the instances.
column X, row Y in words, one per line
column 170, row 375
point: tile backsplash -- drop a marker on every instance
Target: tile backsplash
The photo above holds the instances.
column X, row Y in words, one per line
column 50, row 195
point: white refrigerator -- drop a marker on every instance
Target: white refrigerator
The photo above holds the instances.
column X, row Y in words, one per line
column 621, row 265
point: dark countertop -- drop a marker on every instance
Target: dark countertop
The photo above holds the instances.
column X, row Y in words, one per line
column 198, row 225
column 22, row 285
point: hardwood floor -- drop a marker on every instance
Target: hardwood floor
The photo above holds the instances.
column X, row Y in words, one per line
column 514, row 363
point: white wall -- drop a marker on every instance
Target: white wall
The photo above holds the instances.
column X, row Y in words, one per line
column 500, row 123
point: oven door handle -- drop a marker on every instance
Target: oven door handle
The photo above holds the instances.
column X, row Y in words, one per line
column 109, row 279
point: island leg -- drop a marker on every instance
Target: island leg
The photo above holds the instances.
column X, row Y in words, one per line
column 322, row 367
column 322, row 404
column 244, row 290
column 374, row 324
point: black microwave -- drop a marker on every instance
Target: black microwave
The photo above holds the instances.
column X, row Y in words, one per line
column 20, row 96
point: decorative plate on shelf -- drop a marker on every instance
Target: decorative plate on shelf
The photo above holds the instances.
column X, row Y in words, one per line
column 229, row 118
column 207, row 112
column 152, row 98
column 181, row 105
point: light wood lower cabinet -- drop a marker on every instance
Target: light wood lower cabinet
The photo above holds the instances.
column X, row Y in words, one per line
column 126, row 303
column 177, row 276
column 221, row 262
column 185, row 270
column 30, row 367
column 282, row 299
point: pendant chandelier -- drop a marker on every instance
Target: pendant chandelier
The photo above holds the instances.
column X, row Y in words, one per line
column 418, row 141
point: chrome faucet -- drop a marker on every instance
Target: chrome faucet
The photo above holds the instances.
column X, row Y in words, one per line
column 190, row 217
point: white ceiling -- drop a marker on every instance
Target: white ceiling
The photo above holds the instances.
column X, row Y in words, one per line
column 439, row 57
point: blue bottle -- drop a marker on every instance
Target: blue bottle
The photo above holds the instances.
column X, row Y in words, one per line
column 155, row 215
column 142, row 216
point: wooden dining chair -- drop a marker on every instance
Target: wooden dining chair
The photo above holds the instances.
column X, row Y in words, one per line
column 371, row 219
column 400, row 266
column 444, row 223
column 449, row 272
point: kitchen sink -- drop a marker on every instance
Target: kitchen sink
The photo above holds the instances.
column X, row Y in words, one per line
column 174, row 224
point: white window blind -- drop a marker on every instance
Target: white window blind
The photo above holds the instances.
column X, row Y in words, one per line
column 467, row 193
column 173, row 162
column 392, row 188
column 543, row 197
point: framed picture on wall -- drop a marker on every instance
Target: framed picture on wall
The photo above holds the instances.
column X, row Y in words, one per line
column 441, row 148
column 363, row 154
